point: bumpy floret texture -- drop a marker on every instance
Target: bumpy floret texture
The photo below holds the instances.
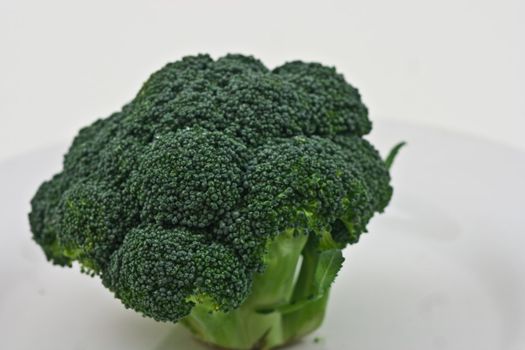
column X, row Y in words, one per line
column 158, row 271
column 173, row 199
column 172, row 192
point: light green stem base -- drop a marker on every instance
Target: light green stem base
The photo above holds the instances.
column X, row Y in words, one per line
column 280, row 309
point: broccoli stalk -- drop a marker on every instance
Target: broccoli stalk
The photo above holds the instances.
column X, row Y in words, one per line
column 257, row 321
column 282, row 307
column 220, row 197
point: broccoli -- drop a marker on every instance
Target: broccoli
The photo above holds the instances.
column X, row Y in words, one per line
column 221, row 197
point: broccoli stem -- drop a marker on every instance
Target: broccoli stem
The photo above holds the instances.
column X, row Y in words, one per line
column 281, row 307
column 309, row 316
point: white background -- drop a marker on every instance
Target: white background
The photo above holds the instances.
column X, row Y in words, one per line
column 455, row 64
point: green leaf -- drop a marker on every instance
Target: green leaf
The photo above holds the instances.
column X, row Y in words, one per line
column 393, row 153
column 330, row 262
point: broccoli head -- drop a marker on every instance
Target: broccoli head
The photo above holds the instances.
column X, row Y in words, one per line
column 220, row 197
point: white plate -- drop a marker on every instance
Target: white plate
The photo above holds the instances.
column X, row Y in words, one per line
column 443, row 268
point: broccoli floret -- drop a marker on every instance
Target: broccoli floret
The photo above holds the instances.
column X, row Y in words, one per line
column 92, row 221
column 43, row 218
column 220, row 197
column 189, row 178
column 163, row 272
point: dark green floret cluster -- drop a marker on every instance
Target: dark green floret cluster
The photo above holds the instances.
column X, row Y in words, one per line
column 220, row 197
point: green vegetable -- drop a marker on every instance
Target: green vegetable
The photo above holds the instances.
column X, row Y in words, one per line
column 220, row 197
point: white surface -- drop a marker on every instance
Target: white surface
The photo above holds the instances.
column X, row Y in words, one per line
column 441, row 269
column 456, row 64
